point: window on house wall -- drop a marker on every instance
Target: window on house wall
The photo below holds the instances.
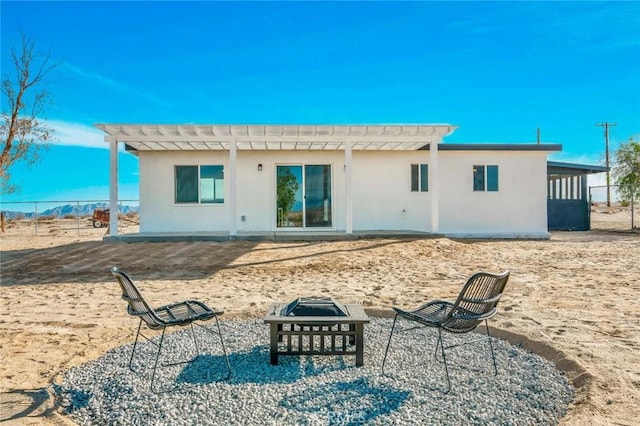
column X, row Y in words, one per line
column 419, row 177
column 211, row 184
column 199, row 184
column 485, row 178
column 492, row 178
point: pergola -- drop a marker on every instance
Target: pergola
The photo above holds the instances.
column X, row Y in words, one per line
column 232, row 138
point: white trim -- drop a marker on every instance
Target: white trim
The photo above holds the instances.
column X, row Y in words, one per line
column 348, row 188
column 233, row 156
column 277, row 137
column 113, row 186
column 434, row 188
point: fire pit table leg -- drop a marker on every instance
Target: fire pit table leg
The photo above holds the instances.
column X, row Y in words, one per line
column 359, row 345
column 274, row 343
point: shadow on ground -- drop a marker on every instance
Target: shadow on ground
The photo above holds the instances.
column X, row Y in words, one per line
column 24, row 403
column 337, row 401
column 91, row 261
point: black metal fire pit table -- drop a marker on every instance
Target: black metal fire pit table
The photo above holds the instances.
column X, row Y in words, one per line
column 316, row 326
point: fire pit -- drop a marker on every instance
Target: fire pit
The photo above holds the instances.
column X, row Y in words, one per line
column 316, row 326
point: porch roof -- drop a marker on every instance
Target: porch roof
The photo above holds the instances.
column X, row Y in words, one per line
column 205, row 137
column 556, row 167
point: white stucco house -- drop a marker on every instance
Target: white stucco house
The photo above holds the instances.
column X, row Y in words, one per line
column 269, row 181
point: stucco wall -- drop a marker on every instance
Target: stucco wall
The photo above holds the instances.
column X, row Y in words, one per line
column 382, row 197
column 158, row 210
column 517, row 209
column 257, row 189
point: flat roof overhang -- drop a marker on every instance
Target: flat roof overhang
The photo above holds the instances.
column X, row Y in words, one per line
column 547, row 147
column 200, row 137
column 556, row 167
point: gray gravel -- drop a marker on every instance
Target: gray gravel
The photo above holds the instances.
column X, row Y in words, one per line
column 318, row 390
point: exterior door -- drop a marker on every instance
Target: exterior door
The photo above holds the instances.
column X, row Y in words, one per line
column 317, row 196
column 303, row 196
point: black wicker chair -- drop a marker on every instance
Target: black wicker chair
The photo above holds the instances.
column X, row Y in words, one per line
column 176, row 314
column 476, row 303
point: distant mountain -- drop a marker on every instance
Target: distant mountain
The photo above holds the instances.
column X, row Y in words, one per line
column 72, row 210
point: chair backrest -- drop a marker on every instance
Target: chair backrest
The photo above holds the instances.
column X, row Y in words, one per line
column 476, row 302
column 136, row 303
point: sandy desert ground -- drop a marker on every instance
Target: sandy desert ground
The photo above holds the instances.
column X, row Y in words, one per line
column 572, row 299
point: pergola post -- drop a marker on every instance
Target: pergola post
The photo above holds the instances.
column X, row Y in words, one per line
column 113, row 185
column 233, row 160
column 219, row 138
column 348, row 188
column 434, row 185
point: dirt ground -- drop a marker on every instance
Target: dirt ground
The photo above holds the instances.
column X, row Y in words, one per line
column 572, row 298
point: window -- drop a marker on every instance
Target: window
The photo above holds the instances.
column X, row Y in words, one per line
column 211, row 184
column 485, row 177
column 419, row 177
column 199, row 184
column 492, row 178
column 186, row 184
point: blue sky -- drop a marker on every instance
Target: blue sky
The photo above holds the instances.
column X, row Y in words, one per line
column 498, row 70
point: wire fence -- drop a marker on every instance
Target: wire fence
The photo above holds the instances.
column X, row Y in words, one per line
column 76, row 217
column 66, row 217
column 617, row 215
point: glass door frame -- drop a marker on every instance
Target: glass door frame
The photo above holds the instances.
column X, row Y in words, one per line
column 304, row 226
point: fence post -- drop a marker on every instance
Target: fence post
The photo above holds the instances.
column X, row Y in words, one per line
column 589, row 208
column 35, row 217
column 78, row 216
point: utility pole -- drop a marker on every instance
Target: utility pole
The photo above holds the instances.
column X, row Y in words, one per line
column 606, row 142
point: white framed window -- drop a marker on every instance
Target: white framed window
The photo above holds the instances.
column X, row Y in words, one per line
column 199, row 184
column 419, row 177
column 485, row 178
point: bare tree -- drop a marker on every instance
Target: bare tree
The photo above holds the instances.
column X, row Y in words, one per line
column 23, row 131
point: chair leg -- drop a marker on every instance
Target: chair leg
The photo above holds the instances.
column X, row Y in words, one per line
column 493, row 355
column 440, row 345
column 435, row 353
column 444, row 359
column 155, row 365
column 384, row 360
column 224, row 350
column 195, row 341
column 134, row 347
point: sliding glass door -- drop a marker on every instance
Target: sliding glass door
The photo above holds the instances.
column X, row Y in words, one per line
column 303, row 196
column 317, row 189
column 289, row 197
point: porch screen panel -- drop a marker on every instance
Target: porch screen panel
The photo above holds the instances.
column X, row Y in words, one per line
column 186, row 184
column 317, row 182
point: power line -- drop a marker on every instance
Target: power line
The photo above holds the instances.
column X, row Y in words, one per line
column 606, row 141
